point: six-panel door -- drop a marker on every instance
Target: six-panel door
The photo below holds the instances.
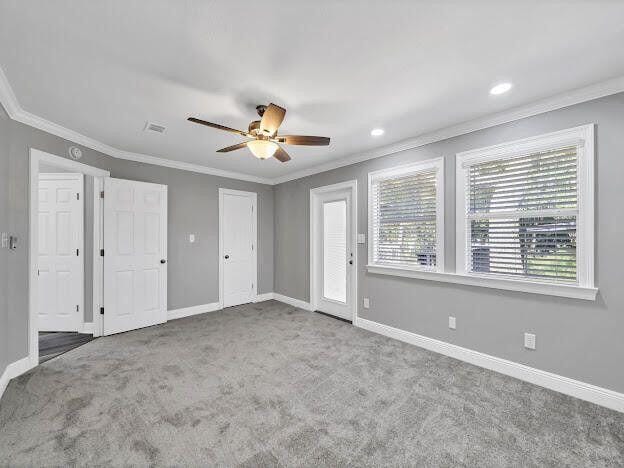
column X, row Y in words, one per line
column 135, row 268
column 60, row 255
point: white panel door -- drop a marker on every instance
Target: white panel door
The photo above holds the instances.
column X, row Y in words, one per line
column 238, row 239
column 135, row 247
column 60, row 256
column 333, row 250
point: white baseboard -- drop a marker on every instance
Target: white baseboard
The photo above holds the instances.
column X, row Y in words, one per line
column 264, row 297
column 292, row 301
column 15, row 369
column 584, row 391
column 88, row 328
column 194, row 310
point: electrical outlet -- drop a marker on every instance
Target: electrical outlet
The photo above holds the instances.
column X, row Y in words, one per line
column 529, row 341
column 366, row 303
column 191, row 238
column 361, row 238
column 452, row 323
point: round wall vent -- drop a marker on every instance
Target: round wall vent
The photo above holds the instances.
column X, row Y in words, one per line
column 75, row 152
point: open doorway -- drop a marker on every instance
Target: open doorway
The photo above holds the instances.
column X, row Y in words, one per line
column 66, row 266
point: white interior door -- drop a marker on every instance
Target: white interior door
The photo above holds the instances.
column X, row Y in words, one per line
column 60, row 256
column 333, row 250
column 237, row 246
column 135, row 247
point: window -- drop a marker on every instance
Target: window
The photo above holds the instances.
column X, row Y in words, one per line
column 525, row 209
column 406, row 222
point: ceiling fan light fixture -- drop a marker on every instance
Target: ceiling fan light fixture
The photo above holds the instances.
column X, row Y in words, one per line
column 377, row 132
column 262, row 149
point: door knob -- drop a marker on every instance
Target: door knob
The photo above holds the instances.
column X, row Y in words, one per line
column 162, row 260
column 227, row 256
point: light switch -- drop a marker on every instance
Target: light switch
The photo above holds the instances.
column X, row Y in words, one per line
column 191, row 238
column 361, row 238
column 5, row 240
column 366, row 303
column 452, row 323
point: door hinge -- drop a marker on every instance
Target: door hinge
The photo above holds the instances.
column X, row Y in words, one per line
column 101, row 252
column 77, row 308
column 101, row 310
column 77, row 196
column 77, row 252
column 102, row 194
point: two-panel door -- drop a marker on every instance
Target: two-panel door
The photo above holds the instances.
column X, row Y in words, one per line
column 60, row 254
column 135, row 249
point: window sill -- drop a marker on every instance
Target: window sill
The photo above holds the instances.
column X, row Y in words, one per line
column 549, row 289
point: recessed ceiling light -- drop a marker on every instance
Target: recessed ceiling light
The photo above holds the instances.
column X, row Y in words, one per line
column 500, row 88
column 377, row 131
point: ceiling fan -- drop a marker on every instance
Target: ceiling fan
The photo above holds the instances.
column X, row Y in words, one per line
column 263, row 133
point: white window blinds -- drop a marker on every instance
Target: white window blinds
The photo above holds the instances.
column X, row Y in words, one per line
column 522, row 216
column 403, row 216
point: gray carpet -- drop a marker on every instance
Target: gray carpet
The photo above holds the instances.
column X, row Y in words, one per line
column 268, row 384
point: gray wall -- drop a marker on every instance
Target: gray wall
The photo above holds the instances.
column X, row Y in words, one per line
column 193, row 208
column 578, row 339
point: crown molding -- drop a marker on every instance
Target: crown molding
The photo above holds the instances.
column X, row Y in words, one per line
column 17, row 113
column 577, row 96
column 559, row 101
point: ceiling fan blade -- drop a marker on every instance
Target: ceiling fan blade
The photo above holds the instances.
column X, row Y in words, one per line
column 303, row 140
column 272, row 119
column 217, row 126
column 281, row 155
column 232, row 148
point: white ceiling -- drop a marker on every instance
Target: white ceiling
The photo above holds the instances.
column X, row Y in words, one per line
column 339, row 67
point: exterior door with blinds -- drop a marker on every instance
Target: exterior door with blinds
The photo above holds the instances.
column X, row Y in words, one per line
column 333, row 251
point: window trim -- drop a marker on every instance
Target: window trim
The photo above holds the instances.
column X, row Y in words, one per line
column 583, row 136
column 425, row 165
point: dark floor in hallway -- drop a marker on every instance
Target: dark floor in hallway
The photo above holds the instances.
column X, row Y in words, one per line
column 53, row 344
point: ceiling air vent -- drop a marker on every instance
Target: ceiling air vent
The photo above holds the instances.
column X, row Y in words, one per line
column 152, row 127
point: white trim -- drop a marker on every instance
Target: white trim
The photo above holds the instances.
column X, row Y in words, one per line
column 565, row 99
column 264, row 297
column 584, row 391
column 314, row 194
column 254, row 253
column 15, row 111
column 558, row 101
column 583, row 136
column 88, row 328
column 14, row 369
column 37, row 156
column 193, row 310
column 434, row 163
column 293, row 302
column 520, row 285
column 98, row 260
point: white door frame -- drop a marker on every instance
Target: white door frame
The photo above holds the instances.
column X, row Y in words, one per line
column 37, row 156
column 314, row 220
column 254, row 253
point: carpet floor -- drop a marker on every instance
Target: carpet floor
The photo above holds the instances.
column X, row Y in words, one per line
column 271, row 385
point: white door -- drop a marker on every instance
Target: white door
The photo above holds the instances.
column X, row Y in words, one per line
column 333, row 250
column 135, row 255
column 60, row 256
column 237, row 246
